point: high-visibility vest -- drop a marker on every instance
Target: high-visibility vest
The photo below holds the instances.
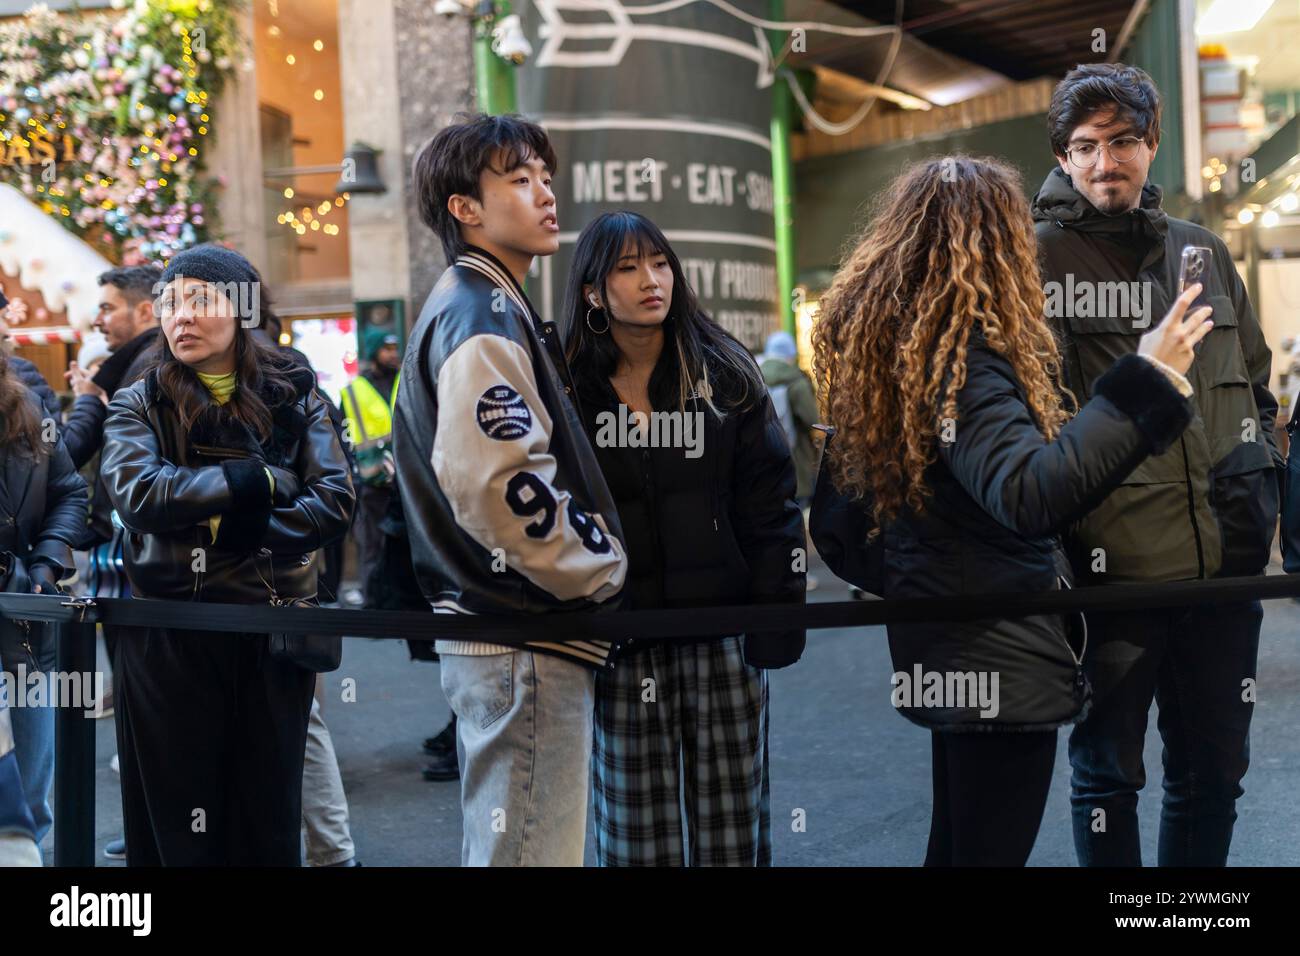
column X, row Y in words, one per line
column 371, row 416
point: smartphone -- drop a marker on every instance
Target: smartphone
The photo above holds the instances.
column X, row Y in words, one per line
column 1196, row 268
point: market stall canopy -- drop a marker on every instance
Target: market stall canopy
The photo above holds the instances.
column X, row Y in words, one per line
column 41, row 254
column 920, row 69
column 1020, row 39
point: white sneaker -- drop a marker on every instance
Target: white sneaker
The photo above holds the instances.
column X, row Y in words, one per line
column 114, row 766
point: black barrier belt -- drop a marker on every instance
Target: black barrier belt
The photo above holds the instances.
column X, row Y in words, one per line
column 685, row 623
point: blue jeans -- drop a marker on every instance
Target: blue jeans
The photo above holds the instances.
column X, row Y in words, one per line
column 33, row 727
column 1197, row 663
column 524, row 726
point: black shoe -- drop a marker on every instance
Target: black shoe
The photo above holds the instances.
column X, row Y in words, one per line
column 444, row 767
column 443, row 743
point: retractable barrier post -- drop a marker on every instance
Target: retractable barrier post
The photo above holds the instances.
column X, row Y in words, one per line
column 74, row 747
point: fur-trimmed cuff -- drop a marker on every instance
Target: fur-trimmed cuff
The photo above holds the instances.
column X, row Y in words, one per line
column 243, row 525
column 1144, row 393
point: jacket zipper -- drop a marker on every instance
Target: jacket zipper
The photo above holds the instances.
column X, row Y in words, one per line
column 1191, row 511
column 714, row 497
column 652, row 492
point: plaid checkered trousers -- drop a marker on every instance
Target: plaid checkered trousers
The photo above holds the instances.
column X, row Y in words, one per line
column 681, row 745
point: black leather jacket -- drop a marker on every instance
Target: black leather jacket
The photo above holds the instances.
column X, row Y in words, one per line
column 166, row 484
column 42, row 506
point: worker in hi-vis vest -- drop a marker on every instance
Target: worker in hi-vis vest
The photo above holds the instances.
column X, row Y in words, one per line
column 367, row 403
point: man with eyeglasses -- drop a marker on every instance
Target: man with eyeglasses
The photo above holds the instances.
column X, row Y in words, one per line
column 1205, row 508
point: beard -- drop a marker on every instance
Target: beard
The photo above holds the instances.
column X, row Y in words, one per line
column 1113, row 196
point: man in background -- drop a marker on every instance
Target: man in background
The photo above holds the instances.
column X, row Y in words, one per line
column 368, row 407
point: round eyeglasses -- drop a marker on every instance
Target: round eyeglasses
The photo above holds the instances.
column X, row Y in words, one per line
column 1121, row 150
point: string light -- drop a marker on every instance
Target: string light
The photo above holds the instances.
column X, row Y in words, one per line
column 305, row 218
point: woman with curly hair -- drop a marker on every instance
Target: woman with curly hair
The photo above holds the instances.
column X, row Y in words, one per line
column 955, row 434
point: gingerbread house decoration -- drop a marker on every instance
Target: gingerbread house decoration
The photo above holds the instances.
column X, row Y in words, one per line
column 54, row 273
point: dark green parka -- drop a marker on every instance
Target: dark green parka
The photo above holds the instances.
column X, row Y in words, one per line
column 1208, row 505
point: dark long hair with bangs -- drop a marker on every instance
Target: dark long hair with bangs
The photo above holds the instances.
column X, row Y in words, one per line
column 699, row 357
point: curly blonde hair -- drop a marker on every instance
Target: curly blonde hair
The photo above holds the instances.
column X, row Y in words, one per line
column 951, row 247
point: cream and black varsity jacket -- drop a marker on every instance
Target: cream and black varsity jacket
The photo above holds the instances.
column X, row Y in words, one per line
column 504, row 499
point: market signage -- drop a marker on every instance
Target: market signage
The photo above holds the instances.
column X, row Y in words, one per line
column 667, row 114
column 35, row 147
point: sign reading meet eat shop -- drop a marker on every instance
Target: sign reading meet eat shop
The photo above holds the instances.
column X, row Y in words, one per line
column 666, row 114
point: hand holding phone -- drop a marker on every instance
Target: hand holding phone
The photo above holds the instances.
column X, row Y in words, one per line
column 1195, row 268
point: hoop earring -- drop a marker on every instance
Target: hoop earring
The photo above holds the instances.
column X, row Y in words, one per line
column 594, row 330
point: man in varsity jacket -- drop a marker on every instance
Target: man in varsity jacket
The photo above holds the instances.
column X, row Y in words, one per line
column 506, row 505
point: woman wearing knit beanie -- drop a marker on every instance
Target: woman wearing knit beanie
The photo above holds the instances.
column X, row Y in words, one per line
column 228, row 475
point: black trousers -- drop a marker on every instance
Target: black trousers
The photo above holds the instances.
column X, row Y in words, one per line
column 372, row 505
column 989, row 793
column 210, row 735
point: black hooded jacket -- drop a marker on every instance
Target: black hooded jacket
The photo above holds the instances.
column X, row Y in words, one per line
column 710, row 524
column 31, row 377
column 1000, row 496
column 42, row 506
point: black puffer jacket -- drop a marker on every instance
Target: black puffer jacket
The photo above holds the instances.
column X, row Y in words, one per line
column 42, row 505
column 31, row 377
column 719, row 528
column 1001, row 495
column 166, row 484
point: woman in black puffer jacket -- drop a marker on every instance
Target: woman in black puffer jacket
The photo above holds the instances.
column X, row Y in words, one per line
column 943, row 384
column 42, row 516
column 708, row 516
column 229, row 477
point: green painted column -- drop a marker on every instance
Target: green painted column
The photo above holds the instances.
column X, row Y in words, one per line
column 494, row 78
column 783, row 107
